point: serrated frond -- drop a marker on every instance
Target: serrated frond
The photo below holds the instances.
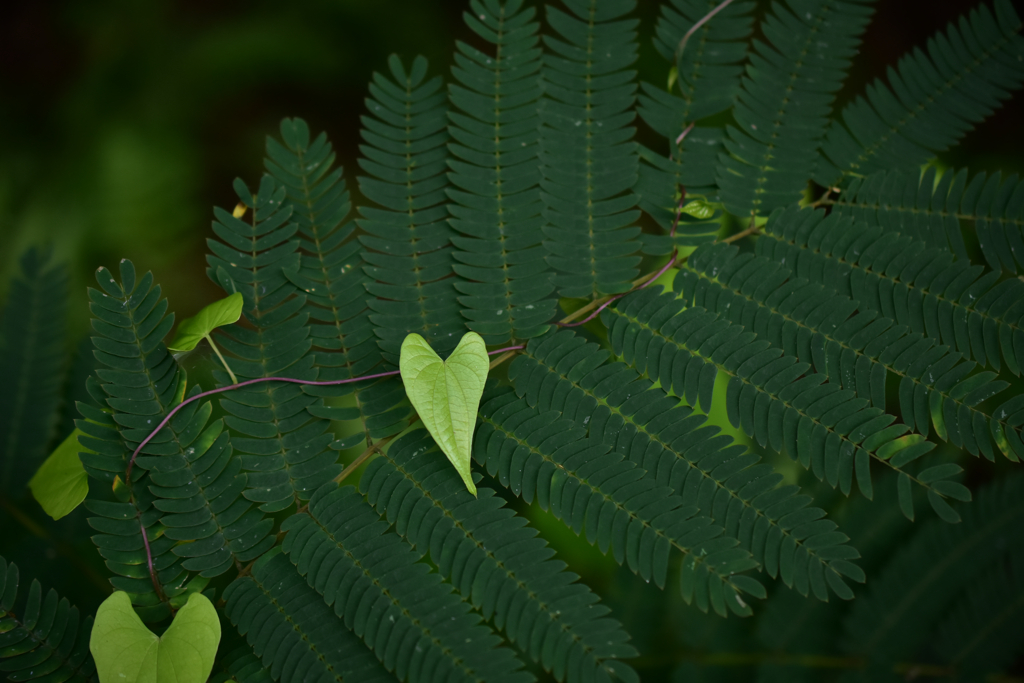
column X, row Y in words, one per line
column 782, row 110
column 858, row 350
column 588, row 156
column 330, row 270
column 282, row 441
column 496, row 204
column 668, row 442
column 295, row 635
column 412, row 621
column 934, row 212
column 138, row 383
column 774, row 398
column 933, row 98
column 496, row 561
column 952, row 302
column 408, row 248
column 592, row 487
column 44, row 641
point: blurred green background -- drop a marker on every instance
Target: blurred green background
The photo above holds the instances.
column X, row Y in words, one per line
column 123, row 122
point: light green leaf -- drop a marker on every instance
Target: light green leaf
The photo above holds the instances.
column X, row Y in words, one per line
column 127, row 652
column 192, row 330
column 60, row 484
column 699, row 209
column 446, row 394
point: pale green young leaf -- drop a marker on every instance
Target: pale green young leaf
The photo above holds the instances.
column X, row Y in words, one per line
column 60, row 484
column 126, row 651
column 446, row 394
column 192, row 330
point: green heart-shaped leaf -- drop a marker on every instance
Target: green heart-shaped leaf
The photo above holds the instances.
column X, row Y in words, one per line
column 192, row 330
column 127, row 652
column 446, row 394
column 60, row 484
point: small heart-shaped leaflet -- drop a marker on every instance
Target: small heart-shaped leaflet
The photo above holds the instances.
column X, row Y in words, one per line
column 446, row 394
column 126, row 651
column 60, row 483
column 193, row 330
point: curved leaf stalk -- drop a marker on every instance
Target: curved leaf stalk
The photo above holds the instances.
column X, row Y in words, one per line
column 220, row 390
column 860, row 351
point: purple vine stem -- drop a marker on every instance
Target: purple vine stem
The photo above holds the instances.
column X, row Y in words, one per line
column 175, row 409
column 695, row 27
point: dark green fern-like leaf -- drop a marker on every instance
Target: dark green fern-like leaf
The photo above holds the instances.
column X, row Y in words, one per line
column 915, row 205
column 199, row 490
column 649, row 333
column 589, row 159
column 496, row 204
column 137, row 384
column 925, row 576
column 242, row 666
column 413, row 621
column 932, row 98
column 979, row 634
column 817, row 325
column 954, row 303
column 591, row 487
column 708, row 69
column 33, row 364
column 668, row 442
column 709, row 61
column 295, row 634
column 408, row 253
column 782, row 110
column 45, row 641
column 491, row 556
column 283, row 446
column 330, row 271
column 774, row 399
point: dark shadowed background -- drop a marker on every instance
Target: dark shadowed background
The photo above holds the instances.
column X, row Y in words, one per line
column 122, row 123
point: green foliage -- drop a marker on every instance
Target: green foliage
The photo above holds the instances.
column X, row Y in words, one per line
column 193, row 330
column 725, row 430
column 123, row 648
column 46, row 640
column 60, row 484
